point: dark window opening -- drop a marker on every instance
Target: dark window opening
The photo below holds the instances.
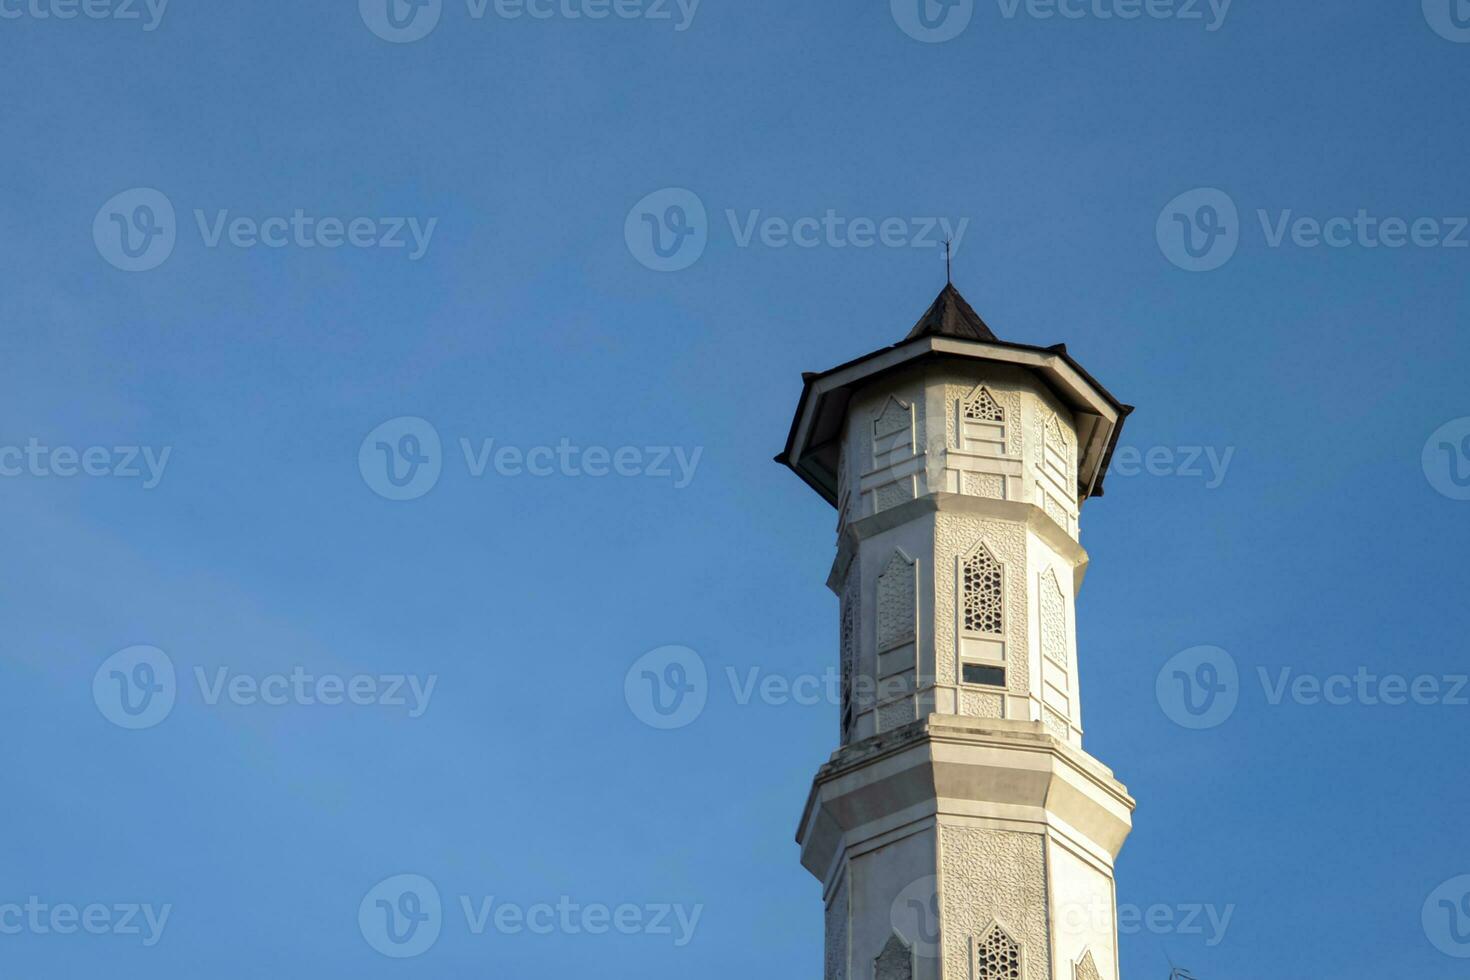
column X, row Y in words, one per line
column 985, row 674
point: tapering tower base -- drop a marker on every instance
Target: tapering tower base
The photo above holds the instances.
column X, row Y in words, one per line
column 958, row 848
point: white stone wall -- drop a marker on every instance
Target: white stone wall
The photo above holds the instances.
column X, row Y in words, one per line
column 988, row 433
column 882, row 879
column 1084, row 912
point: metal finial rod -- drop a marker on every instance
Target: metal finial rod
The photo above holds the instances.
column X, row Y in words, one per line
column 948, row 267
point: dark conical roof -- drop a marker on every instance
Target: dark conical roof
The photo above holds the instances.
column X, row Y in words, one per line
column 951, row 316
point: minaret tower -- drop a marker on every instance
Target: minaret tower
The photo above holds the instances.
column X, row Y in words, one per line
column 960, row 832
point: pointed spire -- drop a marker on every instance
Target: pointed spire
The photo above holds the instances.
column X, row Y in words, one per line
column 951, row 316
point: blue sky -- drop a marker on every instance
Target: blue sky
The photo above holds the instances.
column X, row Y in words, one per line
column 1064, row 146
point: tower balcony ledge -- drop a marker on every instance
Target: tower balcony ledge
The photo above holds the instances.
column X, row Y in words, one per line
column 1009, row 773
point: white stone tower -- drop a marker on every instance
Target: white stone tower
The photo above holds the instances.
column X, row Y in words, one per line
column 960, row 831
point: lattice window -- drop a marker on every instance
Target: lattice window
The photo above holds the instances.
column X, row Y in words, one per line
column 984, row 604
column 982, row 407
column 997, row 957
column 1087, row 968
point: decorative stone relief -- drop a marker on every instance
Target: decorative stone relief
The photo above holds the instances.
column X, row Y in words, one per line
column 992, row 877
column 890, row 495
column 991, row 485
column 896, row 962
column 956, row 535
column 1087, row 968
column 897, row 610
column 1056, row 511
column 1056, row 442
column 1056, row 725
column 1053, row 620
column 1057, row 492
column 837, row 919
column 896, row 714
column 981, row 704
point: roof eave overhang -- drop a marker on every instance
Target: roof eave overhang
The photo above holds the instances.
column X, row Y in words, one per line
column 817, row 426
